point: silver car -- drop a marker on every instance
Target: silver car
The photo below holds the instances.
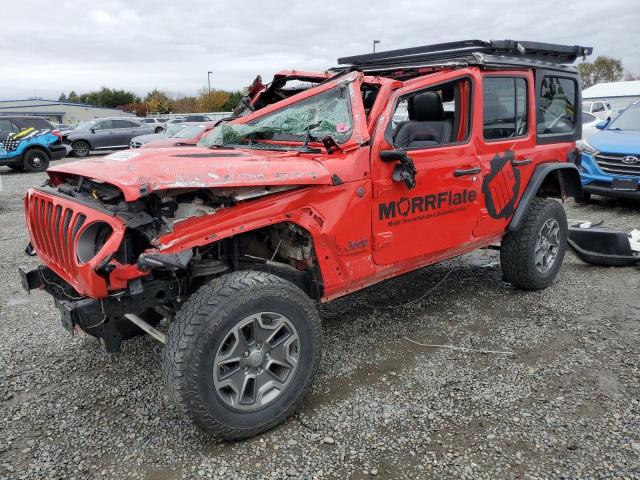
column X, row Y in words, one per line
column 159, row 124
column 171, row 130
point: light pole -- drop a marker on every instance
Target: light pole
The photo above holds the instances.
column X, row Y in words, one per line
column 209, row 81
column 374, row 45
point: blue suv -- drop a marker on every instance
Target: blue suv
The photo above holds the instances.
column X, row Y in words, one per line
column 611, row 157
column 29, row 143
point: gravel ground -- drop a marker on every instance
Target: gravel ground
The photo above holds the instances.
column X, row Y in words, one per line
column 566, row 405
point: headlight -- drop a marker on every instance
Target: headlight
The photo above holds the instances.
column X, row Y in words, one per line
column 91, row 241
column 584, row 147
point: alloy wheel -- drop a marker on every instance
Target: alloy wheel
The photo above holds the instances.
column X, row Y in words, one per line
column 547, row 245
column 256, row 361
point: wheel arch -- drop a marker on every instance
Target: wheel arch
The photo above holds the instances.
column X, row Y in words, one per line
column 560, row 180
column 36, row 146
column 85, row 140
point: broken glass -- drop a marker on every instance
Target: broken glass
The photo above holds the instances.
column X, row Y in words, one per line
column 325, row 114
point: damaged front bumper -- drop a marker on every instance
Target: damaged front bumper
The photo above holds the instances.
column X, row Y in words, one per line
column 103, row 318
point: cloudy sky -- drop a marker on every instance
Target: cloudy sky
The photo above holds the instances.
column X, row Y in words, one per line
column 142, row 44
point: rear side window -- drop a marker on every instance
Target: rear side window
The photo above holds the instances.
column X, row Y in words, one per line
column 556, row 105
column 6, row 127
column 124, row 124
column 505, row 107
column 39, row 123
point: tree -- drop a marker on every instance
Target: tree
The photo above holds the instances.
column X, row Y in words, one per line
column 212, row 102
column 158, row 102
column 631, row 76
column 62, row 97
column 232, row 103
column 603, row 69
column 73, row 97
column 185, row 105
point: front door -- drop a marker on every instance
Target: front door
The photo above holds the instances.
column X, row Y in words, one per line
column 432, row 123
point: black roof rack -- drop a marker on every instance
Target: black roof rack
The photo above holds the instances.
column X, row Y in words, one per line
column 504, row 52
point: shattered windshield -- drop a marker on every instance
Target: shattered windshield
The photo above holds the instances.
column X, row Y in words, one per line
column 325, row 114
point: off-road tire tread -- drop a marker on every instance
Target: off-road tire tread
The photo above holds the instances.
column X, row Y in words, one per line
column 203, row 311
column 515, row 260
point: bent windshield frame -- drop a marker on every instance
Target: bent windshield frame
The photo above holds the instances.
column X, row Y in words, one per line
column 328, row 113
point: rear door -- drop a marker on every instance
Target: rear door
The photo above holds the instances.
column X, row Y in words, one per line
column 507, row 146
column 124, row 131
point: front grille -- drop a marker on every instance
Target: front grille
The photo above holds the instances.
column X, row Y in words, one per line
column 57, row 225
column 54, row 230
column 612, row 163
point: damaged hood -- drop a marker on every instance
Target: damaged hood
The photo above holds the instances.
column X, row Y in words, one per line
column 142, row 171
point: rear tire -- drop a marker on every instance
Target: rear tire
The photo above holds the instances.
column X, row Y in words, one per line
column 35, row 160
column 81, row 149
column 532, row 256
column 159, row 129
column 242, row 353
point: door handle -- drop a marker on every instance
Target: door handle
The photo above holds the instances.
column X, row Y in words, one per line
column 466, row 171
column 519, row 163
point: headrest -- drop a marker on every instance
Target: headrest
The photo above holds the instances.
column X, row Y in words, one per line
column 426, row 107
column 448, row 93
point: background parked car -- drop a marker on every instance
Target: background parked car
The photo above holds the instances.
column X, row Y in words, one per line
column 611, row 158
column 600, row 109
column 29, row 143
column 171, row 130
column 105, row 134
column 187, row 136
column 159, row 124
column 589, row 123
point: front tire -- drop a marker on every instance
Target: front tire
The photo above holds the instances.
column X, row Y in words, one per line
column 81, row 149
column 35, row 160
column 242, row 353
column 532, row 256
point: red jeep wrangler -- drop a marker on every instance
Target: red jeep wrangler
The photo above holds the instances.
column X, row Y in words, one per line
column 395, row 161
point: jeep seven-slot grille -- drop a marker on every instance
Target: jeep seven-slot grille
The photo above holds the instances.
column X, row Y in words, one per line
column 54, row 229
column 614, row 164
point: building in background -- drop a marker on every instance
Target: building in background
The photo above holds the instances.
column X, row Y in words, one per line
column 57, row 112
column 617, row 94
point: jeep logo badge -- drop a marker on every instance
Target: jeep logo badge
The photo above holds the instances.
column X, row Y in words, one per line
column 630, row 160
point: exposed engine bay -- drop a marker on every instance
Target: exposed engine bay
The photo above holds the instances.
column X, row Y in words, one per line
column 284, row 247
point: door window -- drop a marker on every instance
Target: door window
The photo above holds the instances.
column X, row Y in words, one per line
column 433, row 117
column 504, row 107
column 124, row 124
column 104, row 125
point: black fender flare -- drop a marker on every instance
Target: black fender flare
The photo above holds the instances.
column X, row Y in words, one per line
column 565, row 175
